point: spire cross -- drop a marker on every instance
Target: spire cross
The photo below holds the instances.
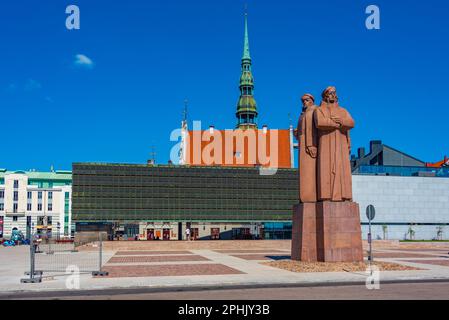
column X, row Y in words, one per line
column 153, row 154
column 186, row 104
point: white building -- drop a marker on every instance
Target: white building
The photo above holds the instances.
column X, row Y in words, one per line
column 406, row 207
column 35, row 202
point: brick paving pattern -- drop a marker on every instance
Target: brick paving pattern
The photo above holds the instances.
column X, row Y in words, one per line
column 444, row 263
column 148, row 252
column 437, row 251
column 247, row 251
column 261, row 256
column 400, row 255
column 134, row 259
column 183, row 262
column 170, row 270
column 196, row 245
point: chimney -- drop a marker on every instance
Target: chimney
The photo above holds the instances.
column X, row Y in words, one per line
column 374, row 144
column 265, row 129
column 361, row 153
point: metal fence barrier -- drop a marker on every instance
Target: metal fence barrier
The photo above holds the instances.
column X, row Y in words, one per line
column 83, row 254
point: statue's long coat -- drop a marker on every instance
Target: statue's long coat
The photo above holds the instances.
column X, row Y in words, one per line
column 307, row 137
column 334, row 179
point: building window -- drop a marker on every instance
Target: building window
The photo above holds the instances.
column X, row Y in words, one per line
column 16, row 195
column 49, row 221
column 15, row 207
column 2, row 194
column 14, row 219
column 39, row 207
column 2, row 207
column 40, row 221
column 28, row 206
column 39, row 195
column 16, row 184
column 50, row 195
column 29, row 195
column 50, row 207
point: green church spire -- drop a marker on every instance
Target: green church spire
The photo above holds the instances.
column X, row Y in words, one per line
column 246, row 55
column 246, row 107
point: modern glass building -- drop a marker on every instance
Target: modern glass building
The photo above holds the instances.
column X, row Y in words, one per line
column 162, row 201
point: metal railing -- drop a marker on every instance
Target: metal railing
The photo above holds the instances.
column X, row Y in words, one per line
column 402, row 171
column 50, row 256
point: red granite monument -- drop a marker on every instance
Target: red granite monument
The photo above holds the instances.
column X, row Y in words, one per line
column 326, row 222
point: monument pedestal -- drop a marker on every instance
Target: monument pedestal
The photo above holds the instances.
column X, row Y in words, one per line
column 304, row 236
column 327, row 232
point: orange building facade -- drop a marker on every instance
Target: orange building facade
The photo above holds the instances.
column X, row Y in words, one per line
column 239, row 148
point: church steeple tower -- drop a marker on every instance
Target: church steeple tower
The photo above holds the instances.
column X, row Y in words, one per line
column 246, row 107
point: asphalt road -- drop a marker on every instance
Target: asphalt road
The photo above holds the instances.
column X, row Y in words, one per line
column 416, row 291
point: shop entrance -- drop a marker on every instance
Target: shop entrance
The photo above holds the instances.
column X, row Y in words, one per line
column 194, row 234
column 215, row 233
column 150, row 234
column 166, row 234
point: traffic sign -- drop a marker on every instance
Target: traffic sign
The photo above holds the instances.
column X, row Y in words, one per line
column 370, row 212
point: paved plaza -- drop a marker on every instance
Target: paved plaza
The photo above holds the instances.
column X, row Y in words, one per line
column 224, row 264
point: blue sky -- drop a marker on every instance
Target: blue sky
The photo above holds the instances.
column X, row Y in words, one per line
column 146, row 57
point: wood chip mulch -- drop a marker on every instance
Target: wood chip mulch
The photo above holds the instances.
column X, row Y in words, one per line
column 298, row 266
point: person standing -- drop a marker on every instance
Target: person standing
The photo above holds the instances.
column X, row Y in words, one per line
column 188, row 234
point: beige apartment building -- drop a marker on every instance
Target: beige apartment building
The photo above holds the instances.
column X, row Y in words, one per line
column 35, row 202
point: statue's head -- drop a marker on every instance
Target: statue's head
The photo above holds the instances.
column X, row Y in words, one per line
column 307, row 101
column 330, row 95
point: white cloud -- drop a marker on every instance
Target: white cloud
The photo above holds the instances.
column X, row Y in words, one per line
column 11, row 88
column 49, row 99
column 83, row 61
column 32, row 85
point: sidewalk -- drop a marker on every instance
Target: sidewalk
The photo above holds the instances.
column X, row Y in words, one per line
column 190, row 269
